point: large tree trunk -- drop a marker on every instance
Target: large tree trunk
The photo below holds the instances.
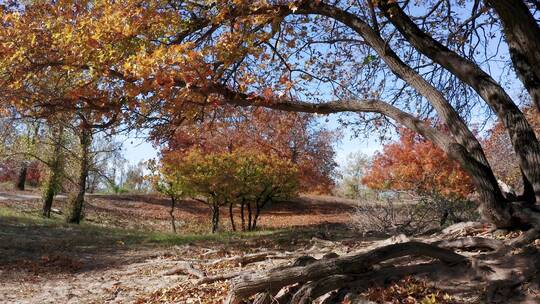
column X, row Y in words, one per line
column 55, row 176
column 493, row 205
column 522, row 34
column 21, row 177
column 521, row 134
column 77, row 203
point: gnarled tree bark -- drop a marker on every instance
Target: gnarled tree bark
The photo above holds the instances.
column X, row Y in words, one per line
column 77, row 203
column 56, row 168
column 522, row 34
column 523, row 139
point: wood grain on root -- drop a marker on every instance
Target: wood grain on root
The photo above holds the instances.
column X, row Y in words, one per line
column 313, row 290
column 263, row 298
column 525, row 238
column 272, row 281
column 219, row 277
column 247, row 259
column 471, row 243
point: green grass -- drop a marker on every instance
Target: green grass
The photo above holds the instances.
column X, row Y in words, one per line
column 88, row 234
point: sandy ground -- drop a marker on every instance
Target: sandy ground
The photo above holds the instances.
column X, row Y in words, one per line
column 60, row 263
column 106, row 261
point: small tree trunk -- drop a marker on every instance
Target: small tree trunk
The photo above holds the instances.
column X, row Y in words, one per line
column 215, row 217
column 259, row 206
column 75, row 215
column 242, row 217
column 258, row 212
column 55, row 176
column 21, row 178
column 171, row 213
column 256, row 217
column 249, row 217
column 231, row 215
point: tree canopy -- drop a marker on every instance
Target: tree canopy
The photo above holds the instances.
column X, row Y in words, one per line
column 383, row 61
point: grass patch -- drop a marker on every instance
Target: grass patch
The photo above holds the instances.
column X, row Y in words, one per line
column 88, row 234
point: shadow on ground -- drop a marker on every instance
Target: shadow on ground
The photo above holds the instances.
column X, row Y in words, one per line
column 31, row 243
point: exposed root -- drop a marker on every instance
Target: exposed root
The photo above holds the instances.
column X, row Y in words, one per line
column 471, row 243
column 263, row 298
column 247, row 259
column 219, row 277
column 186, row 268
column 464, row 228
column 312, row 290
column 324, row 275
column 525, row 238
column 306, row 278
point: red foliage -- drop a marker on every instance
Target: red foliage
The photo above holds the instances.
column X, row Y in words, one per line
column 34, row 173
column 7, row 172
column 414, row 164
column 291, row 136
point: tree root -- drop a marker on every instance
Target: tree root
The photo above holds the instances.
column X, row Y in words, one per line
column 471, row 243
column 219, row 277
column 525, row 238
column 325, row 275
column 464, row 227
column 186, row 268
column 307, row 278
column 247, row 259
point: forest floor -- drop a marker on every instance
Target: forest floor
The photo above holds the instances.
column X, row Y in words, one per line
column 124, row 251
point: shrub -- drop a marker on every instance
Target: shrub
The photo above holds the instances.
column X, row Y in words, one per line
column 246, row 178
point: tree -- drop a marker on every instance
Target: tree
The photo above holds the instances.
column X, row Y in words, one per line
column 166, row 179
column 352, row 173
column 273, row 54
column 20, row 141
column 243, row 177
column 107, row 159
column 416, row 165
column 293, row 136
column 262, row 179
column 135, row 180
column 77, row 200
column 56, row 164
column 522, row 34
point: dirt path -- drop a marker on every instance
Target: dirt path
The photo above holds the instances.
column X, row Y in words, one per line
column 105, row 261
column 136, row 273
